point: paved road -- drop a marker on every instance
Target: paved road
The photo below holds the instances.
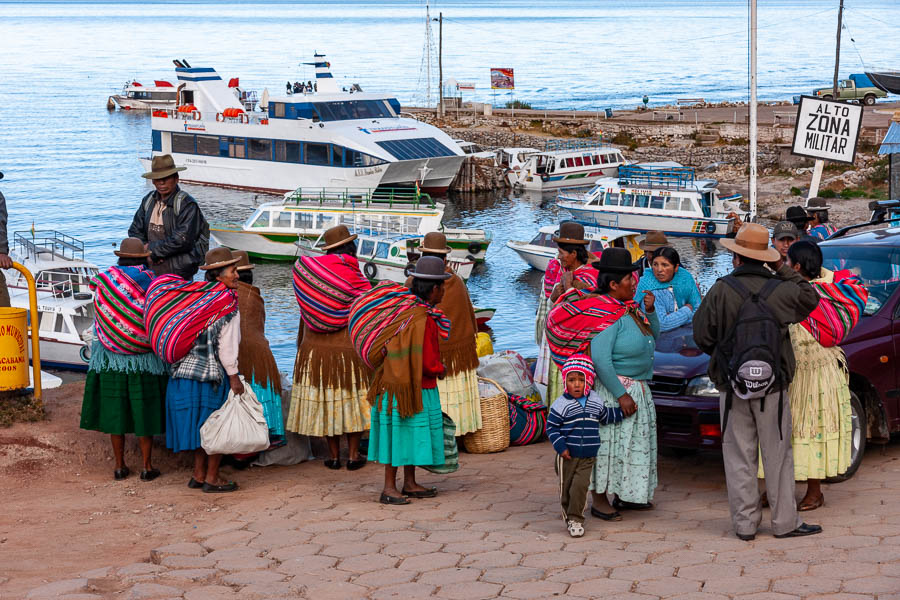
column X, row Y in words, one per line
column 495, row 531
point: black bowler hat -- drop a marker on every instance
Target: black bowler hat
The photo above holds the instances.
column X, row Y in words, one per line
column 615, row 260
column 796, row 214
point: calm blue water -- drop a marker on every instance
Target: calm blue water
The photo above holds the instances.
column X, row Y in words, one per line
column 71, row 165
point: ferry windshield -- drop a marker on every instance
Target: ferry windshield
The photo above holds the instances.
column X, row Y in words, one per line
column 354, row 109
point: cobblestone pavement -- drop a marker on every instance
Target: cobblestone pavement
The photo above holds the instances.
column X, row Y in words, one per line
column 495, row 531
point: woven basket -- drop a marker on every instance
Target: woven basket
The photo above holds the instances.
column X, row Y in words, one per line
column 494, row 433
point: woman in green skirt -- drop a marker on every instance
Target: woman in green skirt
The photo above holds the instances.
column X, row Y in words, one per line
column 407, row 427
column 125, row 388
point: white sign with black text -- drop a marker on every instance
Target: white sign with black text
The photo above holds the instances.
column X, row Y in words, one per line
column 827, row 129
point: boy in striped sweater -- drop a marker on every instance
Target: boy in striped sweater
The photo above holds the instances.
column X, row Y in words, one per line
column 573, row 427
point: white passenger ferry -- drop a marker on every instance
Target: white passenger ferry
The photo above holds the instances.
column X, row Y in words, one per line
column 542, row 249
column 322, row 139
column 567, row 163
column 273, row 229
column 136, row 96
column 663, row 197
column 64, row 300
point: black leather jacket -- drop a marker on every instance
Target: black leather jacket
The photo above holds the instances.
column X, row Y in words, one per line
column 187, row 233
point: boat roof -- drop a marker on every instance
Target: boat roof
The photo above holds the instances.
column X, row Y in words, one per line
column 360, row 205
column 578, row 152
column 514, row 149
column 594, row 232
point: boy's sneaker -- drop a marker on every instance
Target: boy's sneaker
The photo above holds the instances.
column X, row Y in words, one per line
column 576, row 529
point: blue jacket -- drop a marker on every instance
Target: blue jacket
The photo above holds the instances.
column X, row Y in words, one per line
column 685, row 292
column 569, row 426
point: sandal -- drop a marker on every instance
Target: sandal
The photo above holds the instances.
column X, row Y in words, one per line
column 427, row 493
column 194, row 484
column 622, row 505
column 120, row 474
column 576, row 529
column 220, row 489
column 333, row 464
column 613, row 516
column 820, row 501
column 385, row 499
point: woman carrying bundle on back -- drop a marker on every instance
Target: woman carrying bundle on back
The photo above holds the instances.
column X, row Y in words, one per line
column 196, row 328
column 330, row 381
column 396, row 331
column 126, row 383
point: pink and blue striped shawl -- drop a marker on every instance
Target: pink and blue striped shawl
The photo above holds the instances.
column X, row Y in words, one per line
column 325, row 287
column 119, row 296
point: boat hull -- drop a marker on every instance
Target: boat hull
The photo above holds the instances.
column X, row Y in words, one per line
column 689, row 226
column 538, row 257
column 62, row 354
column 433, row 174
column 556, row 182
column 133, row 104
column 888, row 81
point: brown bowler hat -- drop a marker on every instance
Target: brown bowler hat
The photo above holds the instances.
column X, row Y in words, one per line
column 337, row 236
column 218, row 258
column 752, row 241
column 817, row 203
column 162, row 166
column 131, row 248
column 570, row 232
column 653, row 241
column 435, row 243
column 243, row 263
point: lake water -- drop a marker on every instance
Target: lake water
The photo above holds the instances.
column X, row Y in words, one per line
column 71, row 165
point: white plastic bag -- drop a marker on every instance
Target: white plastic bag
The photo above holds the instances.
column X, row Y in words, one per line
column 510, row 370
column 239, row 427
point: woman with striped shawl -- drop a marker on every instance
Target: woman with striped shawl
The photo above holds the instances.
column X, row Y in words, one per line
column 330, row 382
column 126, row 383
column 821, row 415
column 195, row 327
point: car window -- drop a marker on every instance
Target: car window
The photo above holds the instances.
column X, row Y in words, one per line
column 879, row 269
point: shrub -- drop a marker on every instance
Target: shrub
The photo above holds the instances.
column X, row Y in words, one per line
column 518, row 104
column 584, row 133
column 827, row 193
column 623, row 138
column 795, row 191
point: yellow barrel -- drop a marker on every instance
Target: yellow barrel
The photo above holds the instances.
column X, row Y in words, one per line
column 13, row 353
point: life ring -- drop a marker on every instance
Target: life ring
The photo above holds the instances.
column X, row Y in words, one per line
column 408, row 270
column 219, row 117
column 474, row 248
column 195, row 115
column 85, row 353
column 710, row 227
column 370, row 270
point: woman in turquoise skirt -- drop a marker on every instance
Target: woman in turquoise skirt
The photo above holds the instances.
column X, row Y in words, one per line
column 623, row 358
column 418, row 439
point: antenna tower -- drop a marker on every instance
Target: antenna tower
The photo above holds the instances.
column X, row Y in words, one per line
column 427, row 67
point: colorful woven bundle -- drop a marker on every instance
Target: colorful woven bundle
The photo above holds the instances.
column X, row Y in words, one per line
column 380, row 313
column 325, row 287
column 527, row 420
column 842, row 300
column 119, row 295
column 552, row 276
column 572, row 325
column 178, row 311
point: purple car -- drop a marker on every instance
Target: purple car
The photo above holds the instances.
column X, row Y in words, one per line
column 687, row 402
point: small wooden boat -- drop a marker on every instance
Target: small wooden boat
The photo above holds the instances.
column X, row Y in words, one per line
column 483, row 315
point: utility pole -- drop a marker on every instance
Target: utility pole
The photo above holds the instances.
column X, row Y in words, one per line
column 753, row 111
column 837, row 51
column 441, row 57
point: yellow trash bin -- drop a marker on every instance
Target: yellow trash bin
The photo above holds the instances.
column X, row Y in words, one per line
column 13, row 353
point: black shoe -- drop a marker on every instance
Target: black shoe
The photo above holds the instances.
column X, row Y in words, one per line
column 747, row 537
column 426, row 493
column 333, row 464
column 385, row 499
column 220, row 489
column 804, row 529
column 150, row 475
column 354, row 465
column 120, row 474
column 613, row 516
column 194, row 484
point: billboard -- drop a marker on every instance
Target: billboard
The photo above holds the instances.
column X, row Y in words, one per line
column 827, row 129
column 502, row 79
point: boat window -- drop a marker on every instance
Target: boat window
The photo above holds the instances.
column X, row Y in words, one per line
column 382, row 251
column 259, row 149
column 354, row 158
column 627, row 199
column 687, row 204
column 262, row 220
column 208, row 145
column 596, row 159
column 316, row 154
column 303, row 220
column 282, row 220
column 182, row 143
column 541, row 239
column 578, row 161
column 596, row 200
column 412, row 223
column 642, row 201
column 619, row 158
column 672, row 203
column 353, row 109
column 279, row 109
column 612, row 199
column 236, row 147
column 367, row 247
column 324, row 221
column 337, row 155
column 349, row 221
column 59, row 325
column 657, row 202
column 287, row 151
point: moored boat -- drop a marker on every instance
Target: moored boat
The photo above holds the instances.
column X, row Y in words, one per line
column 136, row 96
column 541, row 249
column 662, row 197
column 566, row 163
column 889, row 81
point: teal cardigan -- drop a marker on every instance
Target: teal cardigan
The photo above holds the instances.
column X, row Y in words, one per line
column 623, row 349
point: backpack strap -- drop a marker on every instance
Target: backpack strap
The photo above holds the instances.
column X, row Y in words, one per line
column 737, row 286
column 727, row 410
column 769, row 287
column 147, row 202
column 179, row 199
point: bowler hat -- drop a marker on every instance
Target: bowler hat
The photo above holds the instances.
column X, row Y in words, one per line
column 243, row 263
column 615, row 260
column 796, row 214
column 131, row 248
column 785, row 229
column 430, row 267
column 435, row 242
column 337, row 236
column 570, row 232
column 752, row 241
column 654, row 240
column 218, row 258
column 162, row 166
column 817, row 203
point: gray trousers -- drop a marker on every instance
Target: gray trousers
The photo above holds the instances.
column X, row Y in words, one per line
column 751, row 432
column 574, row 479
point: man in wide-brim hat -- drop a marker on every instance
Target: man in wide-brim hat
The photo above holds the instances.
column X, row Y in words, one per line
column 760, row 426
column 5, row 261
column 169, row 222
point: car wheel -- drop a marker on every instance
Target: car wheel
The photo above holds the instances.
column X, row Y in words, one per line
column 827, row 97
column 857, row 440
column 869, row 99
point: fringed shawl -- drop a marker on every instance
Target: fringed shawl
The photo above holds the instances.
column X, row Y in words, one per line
column 842, row 299
column 329, row 359
column 119, row 296
column 325, row 287
column 459, row 352
column 820, row 383
column 255, row 360
column 571, row 325
column 178, row 311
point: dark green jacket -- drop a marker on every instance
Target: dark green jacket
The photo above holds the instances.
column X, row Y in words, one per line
column 791, row 302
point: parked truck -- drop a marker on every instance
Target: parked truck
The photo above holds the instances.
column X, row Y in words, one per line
column 858, row 87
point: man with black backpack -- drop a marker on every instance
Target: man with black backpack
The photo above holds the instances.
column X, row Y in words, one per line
column 742, row 324
column 170, row 223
